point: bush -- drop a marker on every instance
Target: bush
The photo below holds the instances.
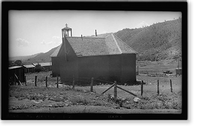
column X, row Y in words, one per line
column 79, row 100
column 18, row 62
column 38, row 68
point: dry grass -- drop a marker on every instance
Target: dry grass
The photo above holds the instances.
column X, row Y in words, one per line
column 64, row 96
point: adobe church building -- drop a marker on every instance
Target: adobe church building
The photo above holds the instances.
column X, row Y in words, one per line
column 106, row 58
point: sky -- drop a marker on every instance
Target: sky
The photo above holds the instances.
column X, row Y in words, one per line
column 32, row 32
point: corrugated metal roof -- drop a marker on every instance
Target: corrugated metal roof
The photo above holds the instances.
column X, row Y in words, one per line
column 95, row 46
column 35, row 64
column 45, row 64
column 29, row 66
column 14, row 67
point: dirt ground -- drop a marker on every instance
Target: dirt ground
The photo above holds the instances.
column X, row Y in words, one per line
column 64, row 99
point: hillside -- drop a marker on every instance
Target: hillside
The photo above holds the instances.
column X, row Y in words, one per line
column 156, row 42
column 42, row 57
column 23, row 57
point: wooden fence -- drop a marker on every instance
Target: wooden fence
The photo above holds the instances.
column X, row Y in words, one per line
column 45, row 81
column 114, row 85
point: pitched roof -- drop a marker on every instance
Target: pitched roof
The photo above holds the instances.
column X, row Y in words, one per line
column 88, row 46
column 55, row 53
column 125, row 48
column 111, row 45
column 95, row 46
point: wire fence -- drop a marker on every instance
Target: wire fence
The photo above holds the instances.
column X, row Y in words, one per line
column 41, row 80
column 90, row 83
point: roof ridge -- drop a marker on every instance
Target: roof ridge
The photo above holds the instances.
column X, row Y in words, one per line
column 116, row 43
column 124, row 43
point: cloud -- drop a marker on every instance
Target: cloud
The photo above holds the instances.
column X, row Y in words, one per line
column 22, row 42
column 43, row 43
column 50, row 43
column 56, row 37
column 54, row 41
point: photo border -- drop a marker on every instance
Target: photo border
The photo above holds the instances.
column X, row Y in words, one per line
column 97, row 6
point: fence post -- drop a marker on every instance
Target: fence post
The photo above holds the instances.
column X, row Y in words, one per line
column 115, row 91
column 35, row 80
column 25, row 80
column 14, row 80
column 142, row 88
column 137, row 70
column 73, row 84
column 46, row 81
column 171, row 85
column 158, row 87
column 57, row 81
column 91, row 89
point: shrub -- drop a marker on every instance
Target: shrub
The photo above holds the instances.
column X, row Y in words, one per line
column 79, row 100
column 38, row 68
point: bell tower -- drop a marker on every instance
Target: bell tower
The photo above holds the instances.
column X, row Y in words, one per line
column 66, row 31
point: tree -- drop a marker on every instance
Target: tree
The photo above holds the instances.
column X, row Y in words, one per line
column 38, row 68
column 18, row 62
column 11, row 63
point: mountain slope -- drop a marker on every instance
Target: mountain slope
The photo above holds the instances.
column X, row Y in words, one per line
column 22, row 58
column 42, row 57
column 156, row 42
